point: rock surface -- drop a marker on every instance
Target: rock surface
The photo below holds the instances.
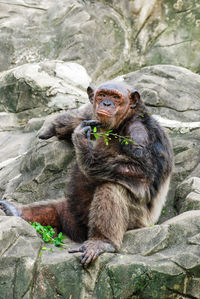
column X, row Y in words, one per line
column 107, row 37
column 162, row 261
column 28, row 94
column 156, row 262
column 19, row 252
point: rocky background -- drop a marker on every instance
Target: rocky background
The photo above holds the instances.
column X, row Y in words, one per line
column 49, row 53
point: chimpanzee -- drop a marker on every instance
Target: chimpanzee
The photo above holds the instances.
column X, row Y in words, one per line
column 115, row 186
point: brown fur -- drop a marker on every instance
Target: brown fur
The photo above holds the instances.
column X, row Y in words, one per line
column 113, row 187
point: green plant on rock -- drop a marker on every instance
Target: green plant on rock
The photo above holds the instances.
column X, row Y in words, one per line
column 47, row 233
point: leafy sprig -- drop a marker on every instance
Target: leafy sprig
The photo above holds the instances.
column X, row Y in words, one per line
column 47, row 233
column 108, row 134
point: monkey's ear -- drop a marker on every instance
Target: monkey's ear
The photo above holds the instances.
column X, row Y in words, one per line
column 135, row 97
column 90, row 92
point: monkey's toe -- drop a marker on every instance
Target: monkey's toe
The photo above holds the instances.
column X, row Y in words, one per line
column 77, row 249
column 92, row 249
column 8, row 208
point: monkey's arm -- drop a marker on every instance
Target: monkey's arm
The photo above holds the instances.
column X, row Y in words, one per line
column 142, row 163
column 65, row 123
column 105, row 165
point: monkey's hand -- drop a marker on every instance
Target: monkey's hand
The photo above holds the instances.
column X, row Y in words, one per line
column 48, row 132
column 85, row 129
column 92, row 249
column 8, row 208
column 92, row 123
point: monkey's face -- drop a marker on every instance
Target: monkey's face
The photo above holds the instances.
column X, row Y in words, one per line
column 112, row 103
column 109, row 106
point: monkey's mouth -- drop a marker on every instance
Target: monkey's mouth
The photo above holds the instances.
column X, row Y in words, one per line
column 103, row 113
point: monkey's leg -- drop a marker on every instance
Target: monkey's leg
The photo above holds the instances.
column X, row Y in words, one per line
column 108, row 221
column 54, row 213
column 46, row 213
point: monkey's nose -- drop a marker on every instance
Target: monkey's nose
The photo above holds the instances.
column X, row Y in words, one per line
column 106, row 103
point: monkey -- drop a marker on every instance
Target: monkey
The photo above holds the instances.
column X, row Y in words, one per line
column 114, row 186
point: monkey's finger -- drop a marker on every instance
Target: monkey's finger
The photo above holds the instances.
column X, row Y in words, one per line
column 48, row 133
column 92, row 123
column 77, row 249
column 95, row 256
column 84, row 123
column 86, row 259
column 87, row 131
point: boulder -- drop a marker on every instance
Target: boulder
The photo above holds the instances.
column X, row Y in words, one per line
column 154, row 262
column 19, row 252
column 29, row 93
column 106, row 37
column 188, row 195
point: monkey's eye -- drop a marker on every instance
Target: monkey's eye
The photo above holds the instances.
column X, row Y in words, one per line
column 116, row 96
column 101, row 94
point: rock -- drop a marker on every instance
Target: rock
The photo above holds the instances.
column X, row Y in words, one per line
column 26, row 163
column 19, row 251
column 106, row 37
column 162, row 88
column 156, row 262
column 188, row 195
column 35, row 90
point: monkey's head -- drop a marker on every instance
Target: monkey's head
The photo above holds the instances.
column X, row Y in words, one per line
column 113, row 103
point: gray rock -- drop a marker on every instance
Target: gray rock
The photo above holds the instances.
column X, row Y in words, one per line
column 106, row 37
column 188, row 195
column 34, row 90
column 156, row 262
column 169, row 91
column 19, row 251
column 26, row 163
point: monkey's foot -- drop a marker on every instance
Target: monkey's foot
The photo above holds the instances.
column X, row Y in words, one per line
column 8, row 208
column 92, row 249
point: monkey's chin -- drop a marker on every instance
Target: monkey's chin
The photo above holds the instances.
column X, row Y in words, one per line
column 104, row 118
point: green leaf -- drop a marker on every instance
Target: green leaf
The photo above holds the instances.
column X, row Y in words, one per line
column 58, row 242
column 47, row 233
column 95, row 129
column 106, row 141
column 96, row 136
